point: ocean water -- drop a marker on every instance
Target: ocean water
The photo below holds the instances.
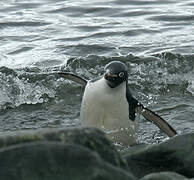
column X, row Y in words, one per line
column 154, row 38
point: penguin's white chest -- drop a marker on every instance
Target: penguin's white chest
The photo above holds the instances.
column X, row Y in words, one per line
column 107, row 108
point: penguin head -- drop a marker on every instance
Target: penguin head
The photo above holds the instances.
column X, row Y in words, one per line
column 116, row 73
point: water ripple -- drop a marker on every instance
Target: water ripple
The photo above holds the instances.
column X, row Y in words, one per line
column 172, row 18
column 22, row 23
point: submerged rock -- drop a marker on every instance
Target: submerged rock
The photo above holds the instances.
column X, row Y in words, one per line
column 164, row 176
column 176, row 155
column 91, row 138
column 56, row 161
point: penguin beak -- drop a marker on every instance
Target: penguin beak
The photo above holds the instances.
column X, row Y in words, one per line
column 108, row 75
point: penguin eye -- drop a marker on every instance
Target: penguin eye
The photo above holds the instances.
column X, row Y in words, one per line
column 121, row 74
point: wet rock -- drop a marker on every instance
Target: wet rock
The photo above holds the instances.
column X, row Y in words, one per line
column 91, row 138
column 55, row 160
column 164, row 176
column 175, row 154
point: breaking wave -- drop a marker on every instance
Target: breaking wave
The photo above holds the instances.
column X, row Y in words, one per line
column 163, row 73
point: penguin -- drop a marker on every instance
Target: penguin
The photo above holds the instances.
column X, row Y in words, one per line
column 108, row 104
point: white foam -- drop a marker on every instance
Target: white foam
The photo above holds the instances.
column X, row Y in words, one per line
column 191, row 87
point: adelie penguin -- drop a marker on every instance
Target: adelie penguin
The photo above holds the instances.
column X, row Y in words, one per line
column 108, row 104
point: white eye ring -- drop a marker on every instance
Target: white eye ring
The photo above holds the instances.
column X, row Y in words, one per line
column 121, row 74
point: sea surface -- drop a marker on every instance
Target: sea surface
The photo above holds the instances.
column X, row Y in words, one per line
column 40, row 37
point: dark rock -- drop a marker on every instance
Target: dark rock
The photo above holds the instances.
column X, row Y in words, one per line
column 176, row 154
column 164, row 176
column 56, row 161
column 91, row 138
column 133, row 149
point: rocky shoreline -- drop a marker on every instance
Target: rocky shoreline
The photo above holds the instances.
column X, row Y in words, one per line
column 85, row 153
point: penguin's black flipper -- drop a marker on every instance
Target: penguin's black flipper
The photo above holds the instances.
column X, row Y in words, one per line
column 157, row 120
column 133, row 104
column 73, row 77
